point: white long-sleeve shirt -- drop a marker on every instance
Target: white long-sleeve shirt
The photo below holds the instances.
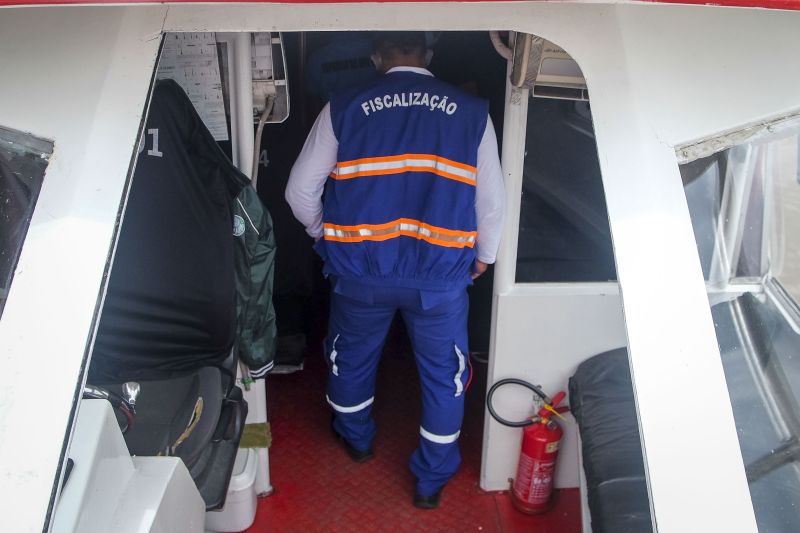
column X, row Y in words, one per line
column 319, row 157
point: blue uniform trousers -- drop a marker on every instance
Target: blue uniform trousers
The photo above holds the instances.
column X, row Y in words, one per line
column 437, row 325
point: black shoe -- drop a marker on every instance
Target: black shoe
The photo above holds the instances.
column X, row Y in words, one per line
column 427, row 502
column 359, row 456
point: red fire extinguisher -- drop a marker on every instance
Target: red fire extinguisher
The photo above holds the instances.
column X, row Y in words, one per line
column 532, row 489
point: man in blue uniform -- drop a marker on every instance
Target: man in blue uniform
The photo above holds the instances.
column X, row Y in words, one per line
column 412, row 212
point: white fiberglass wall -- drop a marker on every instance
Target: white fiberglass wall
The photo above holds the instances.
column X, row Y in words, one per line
column 659, row 77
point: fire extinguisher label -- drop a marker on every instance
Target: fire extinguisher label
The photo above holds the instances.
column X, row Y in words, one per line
column 534, row 482
column 552, row 447
column 541, row 483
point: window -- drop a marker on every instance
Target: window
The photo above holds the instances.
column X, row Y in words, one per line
column 23, row 159
column 563, row 231
column 745, row 209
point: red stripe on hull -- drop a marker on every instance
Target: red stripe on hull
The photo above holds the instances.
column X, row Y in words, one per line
column 793, row 5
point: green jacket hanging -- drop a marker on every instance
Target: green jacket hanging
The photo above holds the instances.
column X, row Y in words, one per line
column 254, row 256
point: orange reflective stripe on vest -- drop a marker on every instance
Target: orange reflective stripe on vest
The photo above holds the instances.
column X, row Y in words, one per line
column 396, row 164
column 402, row 226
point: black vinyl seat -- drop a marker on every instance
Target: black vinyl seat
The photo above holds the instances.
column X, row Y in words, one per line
column 199, row 418
column 174, row 415
column 601, row 399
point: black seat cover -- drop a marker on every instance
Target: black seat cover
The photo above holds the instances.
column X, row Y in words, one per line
column 601, row 399
column 171, row 301
column 169, row 316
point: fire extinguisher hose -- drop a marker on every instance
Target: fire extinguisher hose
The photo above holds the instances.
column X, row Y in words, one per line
column 513, row 381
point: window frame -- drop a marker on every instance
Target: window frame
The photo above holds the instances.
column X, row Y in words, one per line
column 32, row 146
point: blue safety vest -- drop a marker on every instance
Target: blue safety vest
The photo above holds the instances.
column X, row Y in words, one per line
column 399, row 208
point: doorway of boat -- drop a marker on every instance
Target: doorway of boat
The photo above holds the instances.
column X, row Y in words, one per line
column 242, row 105
column 560, row 307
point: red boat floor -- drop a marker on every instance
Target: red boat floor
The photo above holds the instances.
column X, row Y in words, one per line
column 318, row 488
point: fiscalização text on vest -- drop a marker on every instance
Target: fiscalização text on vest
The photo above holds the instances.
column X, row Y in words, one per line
column 433, row 102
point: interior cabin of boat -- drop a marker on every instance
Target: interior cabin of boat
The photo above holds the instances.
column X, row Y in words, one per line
column 200, row 409
column 564, row 237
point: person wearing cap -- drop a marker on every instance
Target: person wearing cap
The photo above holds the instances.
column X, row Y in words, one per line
column 399, row 183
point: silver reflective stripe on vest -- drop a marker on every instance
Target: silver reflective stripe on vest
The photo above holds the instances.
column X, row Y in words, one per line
column 396, row 228
column 461, row 366
column 439, row 439
column 351, row 409
column 402, row 165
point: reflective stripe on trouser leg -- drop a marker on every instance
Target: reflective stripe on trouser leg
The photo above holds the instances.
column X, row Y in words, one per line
column 356, row 334
column 439, row 337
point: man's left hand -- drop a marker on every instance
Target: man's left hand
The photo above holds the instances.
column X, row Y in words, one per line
column 480, row 268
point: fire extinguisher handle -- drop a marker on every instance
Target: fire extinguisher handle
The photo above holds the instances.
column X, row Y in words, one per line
column 558, row 398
